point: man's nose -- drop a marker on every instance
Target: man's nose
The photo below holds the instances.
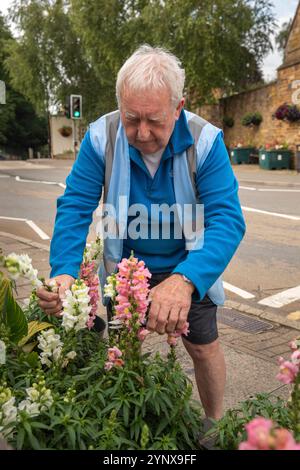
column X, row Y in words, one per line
column 143, row 131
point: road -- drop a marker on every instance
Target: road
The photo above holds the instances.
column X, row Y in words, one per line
column 266, row 264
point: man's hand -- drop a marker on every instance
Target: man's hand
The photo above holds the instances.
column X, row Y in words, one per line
column 170, row 304
column 51, row 302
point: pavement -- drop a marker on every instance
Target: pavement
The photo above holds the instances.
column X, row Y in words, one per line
column 254, row 175
column 251, row 358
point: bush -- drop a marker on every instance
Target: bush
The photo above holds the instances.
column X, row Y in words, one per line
column 287, row 112
column 252, row 119
column 228, row 121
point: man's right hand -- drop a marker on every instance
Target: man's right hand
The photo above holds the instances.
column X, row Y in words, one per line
column 51, row 302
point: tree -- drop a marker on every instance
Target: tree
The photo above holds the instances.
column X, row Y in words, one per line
column 20, row 127
column 78, row 46
column 282, row 36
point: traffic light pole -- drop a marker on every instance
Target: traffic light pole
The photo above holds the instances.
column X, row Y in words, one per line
column 75, row 137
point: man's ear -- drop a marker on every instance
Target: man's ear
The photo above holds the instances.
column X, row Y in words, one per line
column 179, row 108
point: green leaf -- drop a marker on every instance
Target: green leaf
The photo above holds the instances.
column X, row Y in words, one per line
column 20, row 438
column 32, row 359
column 72, row 436
column 33, row 328
column 11, row 313
column 126, row 414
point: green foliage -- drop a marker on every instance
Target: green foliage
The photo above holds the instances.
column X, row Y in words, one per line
column 230, row 430
column 20, row 127
column 78, row 47
column 11, row 314
column 252, row 119
column 148, row 406
column 228, row 121
column 282, row 37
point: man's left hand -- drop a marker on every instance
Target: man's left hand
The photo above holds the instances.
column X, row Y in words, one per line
column 170, row 304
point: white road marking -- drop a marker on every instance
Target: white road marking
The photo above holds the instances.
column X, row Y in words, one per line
column 275, row 214
column 4, row 176
column 238, row 291
column 38, row 230
column 31, row 224
column 248, row 188
column 53, row 183
column 280, row 190
column 282, row 298
column 12, row 218
column 270, row 190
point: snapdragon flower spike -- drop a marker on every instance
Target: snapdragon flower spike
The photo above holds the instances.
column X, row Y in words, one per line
column 51, row 346
column 172, row 337
column 76, row 306
column 20, row 265
column 132, row 290
column 289, row 370
column 114, row 358
column 88, row 273
column 8, row 410
column 93, row 253
column 263, row 435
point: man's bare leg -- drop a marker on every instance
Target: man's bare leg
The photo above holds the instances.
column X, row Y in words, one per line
column 210, row 374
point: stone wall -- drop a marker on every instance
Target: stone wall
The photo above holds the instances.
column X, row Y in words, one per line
column 265, row 99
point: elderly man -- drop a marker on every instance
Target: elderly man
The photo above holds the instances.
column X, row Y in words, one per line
column 152, row 151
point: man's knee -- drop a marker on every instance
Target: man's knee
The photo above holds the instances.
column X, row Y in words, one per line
column 200, row 352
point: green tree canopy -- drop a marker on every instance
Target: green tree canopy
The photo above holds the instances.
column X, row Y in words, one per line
column 78, row 46
column 282, row 36
column 20, row 127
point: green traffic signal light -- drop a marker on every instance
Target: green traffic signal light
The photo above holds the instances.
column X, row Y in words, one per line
column 76, row 104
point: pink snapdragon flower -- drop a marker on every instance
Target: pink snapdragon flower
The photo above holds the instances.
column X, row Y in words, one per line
column 114, row 358
column 262, row 435
column 172, row 337
column 142, row 333
column 89, row 275
column 287, row 371
column 132, row 289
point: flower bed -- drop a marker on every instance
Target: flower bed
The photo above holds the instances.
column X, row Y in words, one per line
column 63, row 388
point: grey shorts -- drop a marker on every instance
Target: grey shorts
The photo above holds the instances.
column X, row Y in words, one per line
column 202, row 316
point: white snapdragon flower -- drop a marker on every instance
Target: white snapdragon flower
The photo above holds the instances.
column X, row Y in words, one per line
column 8, row 410
column 39, row 399
column 110, row 287
column 93, row 252
column 51, row 345
column 20, row 265
column 76, row 306
column 32, row 409
column 69, row 357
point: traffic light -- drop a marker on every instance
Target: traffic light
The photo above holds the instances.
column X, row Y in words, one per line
column 76, row 106
column 66, row 108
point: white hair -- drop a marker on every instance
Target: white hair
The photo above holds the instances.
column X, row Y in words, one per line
column 151, row 68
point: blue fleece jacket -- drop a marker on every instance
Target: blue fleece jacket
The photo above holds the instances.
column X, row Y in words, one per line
column 217, row 188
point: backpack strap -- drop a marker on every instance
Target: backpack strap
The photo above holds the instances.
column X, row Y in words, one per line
column 196, row 124
column 112, row 124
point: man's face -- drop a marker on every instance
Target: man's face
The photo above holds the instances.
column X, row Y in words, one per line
column 148, row 118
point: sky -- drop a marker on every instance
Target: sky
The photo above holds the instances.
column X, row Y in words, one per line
column 284, row 10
